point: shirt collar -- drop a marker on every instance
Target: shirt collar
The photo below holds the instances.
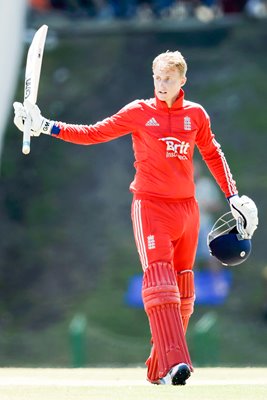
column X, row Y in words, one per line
column 176, row 105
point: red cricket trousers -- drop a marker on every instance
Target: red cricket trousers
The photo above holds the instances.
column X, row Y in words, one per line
column 166, row 231
column 166, row 235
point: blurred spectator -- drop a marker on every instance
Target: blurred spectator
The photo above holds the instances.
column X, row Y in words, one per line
column 209, row 3
column 40, row 4
column 233, row 6
column 210, row 203
column 103, row 9
column 132, row 8
column 208, row 10
column 256, row 8
column 124, row 8
column 75, row 7
column 203, row 10
column 59, row 4
column 160, row 7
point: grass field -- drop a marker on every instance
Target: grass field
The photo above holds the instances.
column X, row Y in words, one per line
column 130, row 384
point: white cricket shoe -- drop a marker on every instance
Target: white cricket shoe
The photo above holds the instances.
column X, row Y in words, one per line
column 176, row 376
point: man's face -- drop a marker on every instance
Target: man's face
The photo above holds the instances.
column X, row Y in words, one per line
column 167, row 83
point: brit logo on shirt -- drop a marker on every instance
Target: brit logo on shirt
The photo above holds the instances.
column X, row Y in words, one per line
column 176, row 148
column 187, row 123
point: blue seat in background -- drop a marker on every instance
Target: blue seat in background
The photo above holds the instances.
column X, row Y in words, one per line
column 133, row 296
column 212, row 288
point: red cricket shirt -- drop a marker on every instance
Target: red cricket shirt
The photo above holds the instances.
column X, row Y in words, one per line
column 163, row 142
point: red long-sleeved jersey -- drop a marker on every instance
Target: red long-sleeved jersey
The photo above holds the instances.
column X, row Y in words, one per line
column 163, row 143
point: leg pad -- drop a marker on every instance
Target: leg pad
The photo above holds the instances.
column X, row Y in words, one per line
column 162, row 305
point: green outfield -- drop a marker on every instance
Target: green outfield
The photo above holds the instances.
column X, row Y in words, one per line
column 130, row 384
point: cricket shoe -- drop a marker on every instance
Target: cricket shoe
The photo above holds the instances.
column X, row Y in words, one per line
column 176, row 376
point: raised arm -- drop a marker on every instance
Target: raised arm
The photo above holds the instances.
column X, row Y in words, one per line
column 110, row 128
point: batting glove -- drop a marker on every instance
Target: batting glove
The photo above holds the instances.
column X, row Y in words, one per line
column 245, row 212
column 39, row 124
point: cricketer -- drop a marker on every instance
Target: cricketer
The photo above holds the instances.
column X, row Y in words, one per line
column 165, row 213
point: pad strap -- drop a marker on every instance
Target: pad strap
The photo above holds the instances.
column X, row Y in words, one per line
column 185, row 281
column 152, row 364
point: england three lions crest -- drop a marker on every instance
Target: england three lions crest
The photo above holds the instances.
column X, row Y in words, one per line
column 187, row 124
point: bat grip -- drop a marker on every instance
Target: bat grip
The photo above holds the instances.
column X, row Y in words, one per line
column 26, row 144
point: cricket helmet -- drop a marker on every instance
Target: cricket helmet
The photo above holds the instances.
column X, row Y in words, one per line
column 226, row 244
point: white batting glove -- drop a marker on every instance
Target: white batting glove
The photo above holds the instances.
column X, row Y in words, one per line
column 39, row 124
column 245, row 212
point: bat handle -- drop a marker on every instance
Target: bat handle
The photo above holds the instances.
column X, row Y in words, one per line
column 26, row 144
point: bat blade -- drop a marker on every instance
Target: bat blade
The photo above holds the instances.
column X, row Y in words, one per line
column 32, row 78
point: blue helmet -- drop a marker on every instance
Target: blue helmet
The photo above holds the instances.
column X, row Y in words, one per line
column 226, row 244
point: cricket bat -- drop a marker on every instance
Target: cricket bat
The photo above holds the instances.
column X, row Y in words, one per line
column 32, row 77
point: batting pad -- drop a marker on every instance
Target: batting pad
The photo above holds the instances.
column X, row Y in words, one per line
column 162, row 305
column 186, row 286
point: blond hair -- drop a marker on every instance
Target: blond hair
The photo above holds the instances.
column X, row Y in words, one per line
column 171, row 60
